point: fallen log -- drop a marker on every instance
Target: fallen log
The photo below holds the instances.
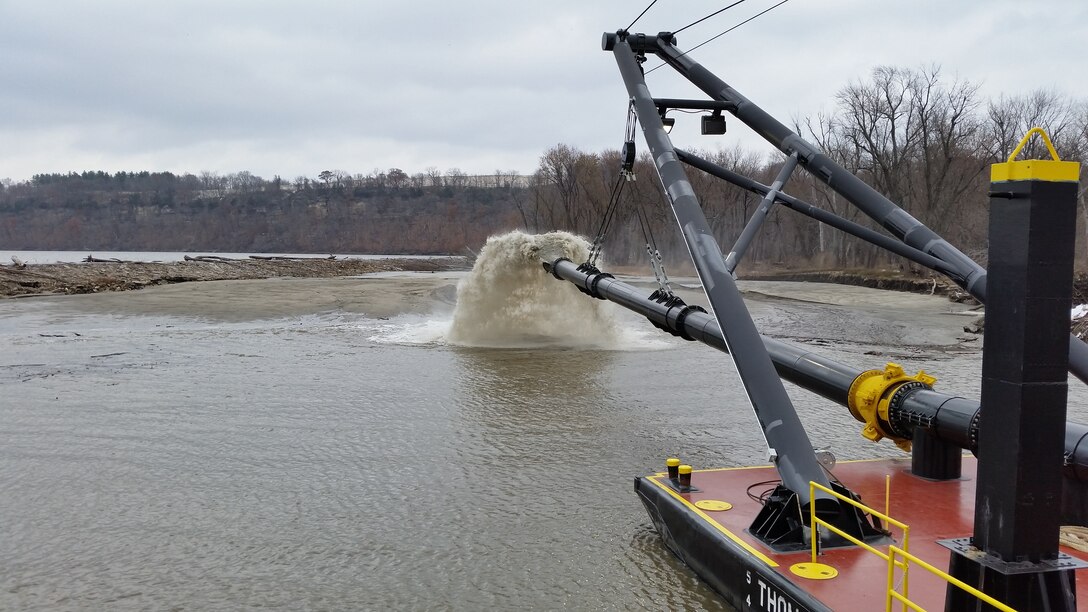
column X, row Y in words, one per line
column 290, row 258
column 93, row 259
column 212, row 258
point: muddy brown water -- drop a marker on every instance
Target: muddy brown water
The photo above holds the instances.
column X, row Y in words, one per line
column 317, row 444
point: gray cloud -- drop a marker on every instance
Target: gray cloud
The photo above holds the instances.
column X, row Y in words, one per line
column 293, row 88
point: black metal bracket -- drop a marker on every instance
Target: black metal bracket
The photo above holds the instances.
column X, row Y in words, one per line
column 781, row 524
column 963, row 547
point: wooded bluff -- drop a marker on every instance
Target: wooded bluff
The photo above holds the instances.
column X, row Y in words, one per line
column 165, row 212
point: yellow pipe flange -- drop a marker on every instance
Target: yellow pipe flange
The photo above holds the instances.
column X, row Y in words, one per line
column 853, row 402
column 870, row 396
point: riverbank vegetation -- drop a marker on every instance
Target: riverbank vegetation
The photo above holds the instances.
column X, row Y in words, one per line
column 924, row 139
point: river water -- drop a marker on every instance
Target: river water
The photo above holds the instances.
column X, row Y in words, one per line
column 320, row 444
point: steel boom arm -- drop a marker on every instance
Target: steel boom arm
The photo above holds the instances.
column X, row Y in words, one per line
column 965, row 272
column 794, row 456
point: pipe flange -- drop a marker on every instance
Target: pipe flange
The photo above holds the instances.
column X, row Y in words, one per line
column 897, row 417
column 551, row 267
column 595, row 280
column 870, row 395
column 972, row 432
column 682, row 316
column 853, row 395
column 670, row 301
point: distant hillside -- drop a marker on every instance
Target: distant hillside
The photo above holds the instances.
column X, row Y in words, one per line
column 243, row 213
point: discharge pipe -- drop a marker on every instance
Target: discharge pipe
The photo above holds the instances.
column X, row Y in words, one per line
column 889, row 402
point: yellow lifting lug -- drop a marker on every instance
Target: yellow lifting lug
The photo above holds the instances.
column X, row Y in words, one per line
column 1053, row 170
column 871, row 394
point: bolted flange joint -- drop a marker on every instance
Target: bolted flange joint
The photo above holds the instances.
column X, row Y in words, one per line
column 871, row 394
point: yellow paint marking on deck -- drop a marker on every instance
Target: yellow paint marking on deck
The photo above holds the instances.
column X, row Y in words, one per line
column 715, row 524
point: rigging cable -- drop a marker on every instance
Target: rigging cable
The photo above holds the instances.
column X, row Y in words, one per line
column 606, row 222
column 719, row 11
column 715, row 37
column 656, row 263
column 614, row 197
column 640, row 15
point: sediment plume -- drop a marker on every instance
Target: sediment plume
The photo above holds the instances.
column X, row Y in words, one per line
column 508, row 300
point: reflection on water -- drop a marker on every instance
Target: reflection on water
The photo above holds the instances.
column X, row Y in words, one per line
column 532, row 388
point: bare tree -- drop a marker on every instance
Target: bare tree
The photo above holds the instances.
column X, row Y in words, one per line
column 342, row 179
column 434, row 175
column 558, row 181
column 455, row 177
column 914, row 137
column 397, row 177
column 212, row 182
column 1010, row 118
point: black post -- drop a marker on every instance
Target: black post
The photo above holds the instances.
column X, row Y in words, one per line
column 1024, row 388
column 934, row 458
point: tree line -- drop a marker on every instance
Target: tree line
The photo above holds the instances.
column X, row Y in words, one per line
column 924, row 140
column 242, row 212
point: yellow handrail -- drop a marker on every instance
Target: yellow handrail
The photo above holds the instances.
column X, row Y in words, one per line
column 813, row 486
column 895, row 551
column 816, row 522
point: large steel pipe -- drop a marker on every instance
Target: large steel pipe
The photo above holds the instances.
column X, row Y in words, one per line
column 949, row 418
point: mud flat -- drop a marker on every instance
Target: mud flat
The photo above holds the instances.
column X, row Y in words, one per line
column 96, row 277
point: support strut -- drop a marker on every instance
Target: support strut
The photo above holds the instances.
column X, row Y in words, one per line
column 786, row 438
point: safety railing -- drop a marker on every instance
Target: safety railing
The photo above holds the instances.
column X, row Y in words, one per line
column 895, row 551
column 817, row 522
column 896, row 557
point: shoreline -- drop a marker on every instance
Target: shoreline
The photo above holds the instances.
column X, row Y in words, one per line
column 30, row 280
column 43, row 280
column 33, row 280
column 873, row 279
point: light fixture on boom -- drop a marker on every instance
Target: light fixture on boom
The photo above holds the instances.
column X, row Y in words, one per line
column 713, row 124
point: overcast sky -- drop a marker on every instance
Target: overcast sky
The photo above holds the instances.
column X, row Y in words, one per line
column 293, row 88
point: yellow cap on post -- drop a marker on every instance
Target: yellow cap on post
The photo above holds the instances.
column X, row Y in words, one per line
column 684, row 477
column 671, row 465
column 1054, row 170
